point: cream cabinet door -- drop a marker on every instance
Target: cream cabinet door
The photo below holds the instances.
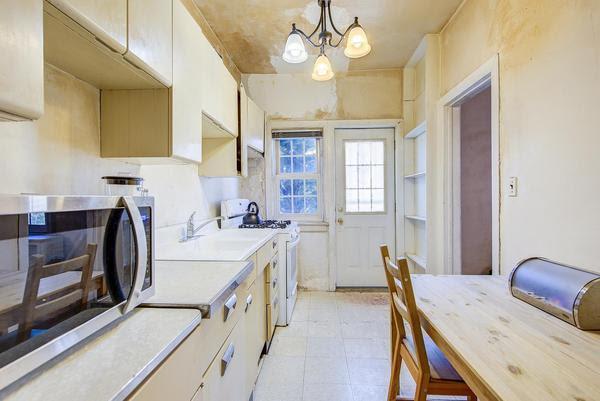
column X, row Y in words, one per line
column 256, row 126
column 229, row 101
column 225, row 378
column 211, row 84
column 105, row 19
column 255, row 330
column 21, row 60
column 187, row 85
column 150, row 38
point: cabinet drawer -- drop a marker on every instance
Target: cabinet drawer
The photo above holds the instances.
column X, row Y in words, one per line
column 225, row 378
column 180, row 375
column 266, row 252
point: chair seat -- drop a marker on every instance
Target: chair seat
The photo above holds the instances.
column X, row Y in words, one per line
column 440, row 367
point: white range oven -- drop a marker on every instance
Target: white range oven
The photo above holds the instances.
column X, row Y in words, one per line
column 288, row 231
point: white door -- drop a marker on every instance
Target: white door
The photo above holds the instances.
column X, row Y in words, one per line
column 365, row 204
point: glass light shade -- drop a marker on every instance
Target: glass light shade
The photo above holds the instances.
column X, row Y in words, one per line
column 322, row 70
column 357, row 44
column 294, row 52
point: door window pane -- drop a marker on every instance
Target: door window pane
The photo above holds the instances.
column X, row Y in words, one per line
column 365, row 176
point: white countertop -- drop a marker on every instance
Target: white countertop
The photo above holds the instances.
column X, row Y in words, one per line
column 222, row 245
column 193, row 284
column 112, row 365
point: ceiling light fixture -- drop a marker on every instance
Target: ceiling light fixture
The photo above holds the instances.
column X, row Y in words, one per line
column 357, row 44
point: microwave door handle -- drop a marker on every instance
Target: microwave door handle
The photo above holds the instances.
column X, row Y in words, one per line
column 141, row 253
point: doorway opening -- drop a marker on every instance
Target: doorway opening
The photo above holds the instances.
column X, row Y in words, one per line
column 470, row 127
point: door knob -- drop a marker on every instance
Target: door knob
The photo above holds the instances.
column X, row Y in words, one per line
column 340, row 221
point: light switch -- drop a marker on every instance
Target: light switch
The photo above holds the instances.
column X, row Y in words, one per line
column 512, row 186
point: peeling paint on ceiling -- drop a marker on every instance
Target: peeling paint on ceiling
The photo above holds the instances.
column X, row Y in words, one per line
column 254, row 31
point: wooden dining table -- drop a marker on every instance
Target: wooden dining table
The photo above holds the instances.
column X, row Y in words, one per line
column 504, row 348
column 12, row 288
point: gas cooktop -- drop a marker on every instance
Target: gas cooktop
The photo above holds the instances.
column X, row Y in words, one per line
column 268, row 224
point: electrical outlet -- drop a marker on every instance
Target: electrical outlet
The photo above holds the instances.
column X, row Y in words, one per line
column 512, row 186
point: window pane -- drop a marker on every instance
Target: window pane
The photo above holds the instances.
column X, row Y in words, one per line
column 297, row 147
column 285, row 205
column 311, row 205
column 298, row 164
column 311, row 164
column 378, row 201
column 351, row 177
column 377, row 177
column 364, row 200
column 285, row 188
column 298, row 204
column 377, row 152
column 298, row 187
column 310, row 187
column 285, row 147
column 351, row 200
column 285, row 164
column 351, row 153
column 364, row 152
column 310, row 147
column 364, row 176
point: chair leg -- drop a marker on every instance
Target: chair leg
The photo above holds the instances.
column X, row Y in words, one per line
column 421, row 391
column 394, row 386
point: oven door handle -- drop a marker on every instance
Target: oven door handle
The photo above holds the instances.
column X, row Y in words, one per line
column 141, row 253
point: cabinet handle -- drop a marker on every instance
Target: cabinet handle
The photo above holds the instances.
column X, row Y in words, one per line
column 248, row 302
column 227, row 358
column 230, row 306
column 274, row 264
column 274, row 282
column 274, row 244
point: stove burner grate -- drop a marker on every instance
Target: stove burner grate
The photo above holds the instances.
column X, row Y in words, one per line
column 268, row 224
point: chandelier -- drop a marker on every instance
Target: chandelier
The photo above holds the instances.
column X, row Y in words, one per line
column 357, row 44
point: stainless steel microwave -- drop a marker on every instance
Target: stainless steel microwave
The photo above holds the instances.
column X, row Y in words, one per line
column 69, row 266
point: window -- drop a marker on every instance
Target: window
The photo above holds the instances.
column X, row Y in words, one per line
column 298, row 174
column 364, row 167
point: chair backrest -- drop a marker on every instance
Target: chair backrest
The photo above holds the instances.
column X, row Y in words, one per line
column 397, row 320
column 74, row 292
column 405, row 304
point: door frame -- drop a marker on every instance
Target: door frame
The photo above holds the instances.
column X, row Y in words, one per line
column 486, row 76
column 394, row 190
column 328, row 224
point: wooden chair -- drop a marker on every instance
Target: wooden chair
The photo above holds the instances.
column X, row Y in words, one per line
column 35, row 309
column 432, row 372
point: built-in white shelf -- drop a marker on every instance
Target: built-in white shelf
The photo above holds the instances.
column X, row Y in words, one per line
column 415, row 175
column 419, row 260
column 416, row 218
column 417, row 131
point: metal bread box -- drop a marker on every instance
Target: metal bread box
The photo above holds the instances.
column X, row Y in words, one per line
column 569, row 293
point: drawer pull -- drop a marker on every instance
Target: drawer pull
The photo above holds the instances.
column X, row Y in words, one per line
column 274, row 283
column 227, row 358
column 274, row 264
column 230, row 306
column 274, row 244
column 275, row 303
column 248, row 302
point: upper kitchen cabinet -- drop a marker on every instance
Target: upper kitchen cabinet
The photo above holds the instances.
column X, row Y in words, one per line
column 150, row 41
column 21, row 60
column 219, row 96
column 112, row 44
column 256, row 127
column 106, row 19
column 160, row 125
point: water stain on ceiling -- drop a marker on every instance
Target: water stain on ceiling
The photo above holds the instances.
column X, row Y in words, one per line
column 254, row 31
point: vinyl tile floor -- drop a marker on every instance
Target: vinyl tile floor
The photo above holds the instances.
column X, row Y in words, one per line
column 335, row 349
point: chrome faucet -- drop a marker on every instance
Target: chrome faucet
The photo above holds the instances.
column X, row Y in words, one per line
column 191, row 229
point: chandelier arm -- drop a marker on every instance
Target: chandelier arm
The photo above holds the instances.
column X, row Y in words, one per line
column 307, row 37
column 342, row 37
column 333, row 25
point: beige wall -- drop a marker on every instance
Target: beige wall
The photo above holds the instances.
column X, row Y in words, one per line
column 375, row 94
column 59, row 153
column 549, row 53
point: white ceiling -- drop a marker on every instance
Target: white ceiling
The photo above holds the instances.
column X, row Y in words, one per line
column 254, row 31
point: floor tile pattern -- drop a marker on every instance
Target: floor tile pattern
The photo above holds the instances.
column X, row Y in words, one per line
column 336, row 349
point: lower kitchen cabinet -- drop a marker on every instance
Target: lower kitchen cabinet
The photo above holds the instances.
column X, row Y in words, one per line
column 225, row 378
column 256, row 331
